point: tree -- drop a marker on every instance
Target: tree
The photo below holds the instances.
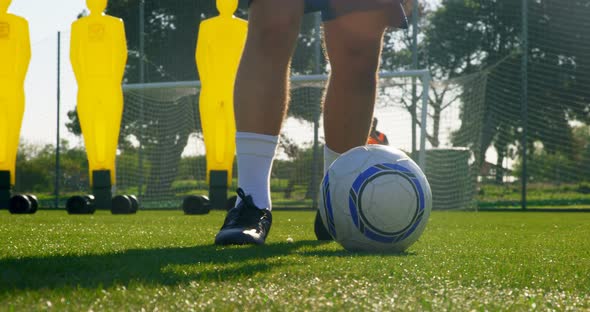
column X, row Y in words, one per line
column 557, row 167
column 465, row 37
column 432, row 55
column 35, row 168
column 32, row 163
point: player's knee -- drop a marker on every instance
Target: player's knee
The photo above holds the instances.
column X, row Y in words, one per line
column 356, row 61
column 356, row 55
column 276, row 30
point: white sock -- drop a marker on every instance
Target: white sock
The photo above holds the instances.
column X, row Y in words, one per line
column 329, row 157
column 255, row 154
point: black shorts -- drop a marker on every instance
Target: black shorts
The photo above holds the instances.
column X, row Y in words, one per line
column 331, row 9
column 321, row 6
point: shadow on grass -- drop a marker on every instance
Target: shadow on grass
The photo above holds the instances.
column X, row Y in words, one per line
column 152, row 266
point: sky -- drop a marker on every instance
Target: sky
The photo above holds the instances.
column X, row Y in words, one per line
column 45, row 19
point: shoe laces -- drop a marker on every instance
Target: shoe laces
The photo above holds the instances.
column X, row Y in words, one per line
column 246, row 213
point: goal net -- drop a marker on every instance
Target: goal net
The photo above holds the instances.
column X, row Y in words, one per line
column 162, row 150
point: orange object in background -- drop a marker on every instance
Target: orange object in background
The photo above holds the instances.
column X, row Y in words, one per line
column 98, row 54
column 15, row 54
column 219, row 49
column 375, row 136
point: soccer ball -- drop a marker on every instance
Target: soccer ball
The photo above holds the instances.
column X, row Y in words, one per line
column 375, row 198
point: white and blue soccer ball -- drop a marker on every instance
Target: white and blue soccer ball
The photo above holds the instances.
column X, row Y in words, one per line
column 375, row 198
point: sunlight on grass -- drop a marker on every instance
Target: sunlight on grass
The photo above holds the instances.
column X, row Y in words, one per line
column 165, row 260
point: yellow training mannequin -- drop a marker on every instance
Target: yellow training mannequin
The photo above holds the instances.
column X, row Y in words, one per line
column 219, row 49
column 98, row 53
column 15, row 54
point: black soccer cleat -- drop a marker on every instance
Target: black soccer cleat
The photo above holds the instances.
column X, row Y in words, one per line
column 321, row 233
column 244, row 224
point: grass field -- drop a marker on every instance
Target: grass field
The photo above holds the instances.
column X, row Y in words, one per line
column 163, row 260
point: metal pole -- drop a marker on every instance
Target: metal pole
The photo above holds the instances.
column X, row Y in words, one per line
column 316, row 121
column 141, row 81
column 414, row 66
column 57, row 143
column 426, row 88
column 524, row 104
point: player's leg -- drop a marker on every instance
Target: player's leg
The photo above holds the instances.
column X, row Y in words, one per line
column 260, row 97
column 353, row 44
column 262, row 79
